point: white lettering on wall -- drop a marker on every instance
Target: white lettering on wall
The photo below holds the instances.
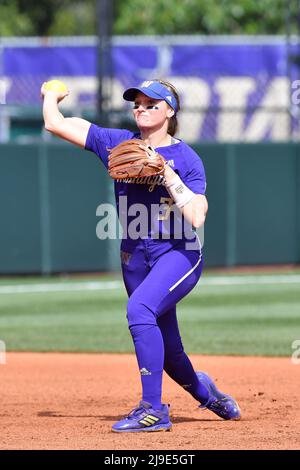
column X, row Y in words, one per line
column 234, row 93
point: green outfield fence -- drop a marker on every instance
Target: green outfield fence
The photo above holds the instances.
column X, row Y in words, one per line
column 49, row 194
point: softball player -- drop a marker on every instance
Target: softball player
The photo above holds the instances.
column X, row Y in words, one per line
column 163, row 264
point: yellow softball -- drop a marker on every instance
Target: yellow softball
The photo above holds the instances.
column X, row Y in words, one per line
column 56, row 85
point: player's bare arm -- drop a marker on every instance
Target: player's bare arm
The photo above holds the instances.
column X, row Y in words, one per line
column 196, row 209
column 74, row 130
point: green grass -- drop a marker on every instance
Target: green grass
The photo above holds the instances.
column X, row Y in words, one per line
column 251, row 319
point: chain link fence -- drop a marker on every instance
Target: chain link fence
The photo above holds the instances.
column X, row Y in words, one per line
column 232, row 89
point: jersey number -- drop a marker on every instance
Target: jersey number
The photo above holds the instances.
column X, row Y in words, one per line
column 167, row 201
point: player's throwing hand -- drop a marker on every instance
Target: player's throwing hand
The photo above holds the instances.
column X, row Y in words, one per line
column 55, row 88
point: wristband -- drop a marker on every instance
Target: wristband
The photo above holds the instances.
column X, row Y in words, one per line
column 180, row 193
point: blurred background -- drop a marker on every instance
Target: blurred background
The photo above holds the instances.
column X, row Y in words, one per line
column 235, row 64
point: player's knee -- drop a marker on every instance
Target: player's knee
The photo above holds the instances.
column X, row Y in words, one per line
column 139, row 313
column 173, row 354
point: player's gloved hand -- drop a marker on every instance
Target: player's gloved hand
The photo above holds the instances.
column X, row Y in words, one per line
column 134, row 159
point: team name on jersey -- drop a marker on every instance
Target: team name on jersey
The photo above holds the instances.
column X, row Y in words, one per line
column 152, row 181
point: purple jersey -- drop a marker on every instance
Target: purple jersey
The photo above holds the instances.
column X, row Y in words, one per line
column 162, row 219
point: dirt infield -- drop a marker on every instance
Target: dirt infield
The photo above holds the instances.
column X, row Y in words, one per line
column 70, row 401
